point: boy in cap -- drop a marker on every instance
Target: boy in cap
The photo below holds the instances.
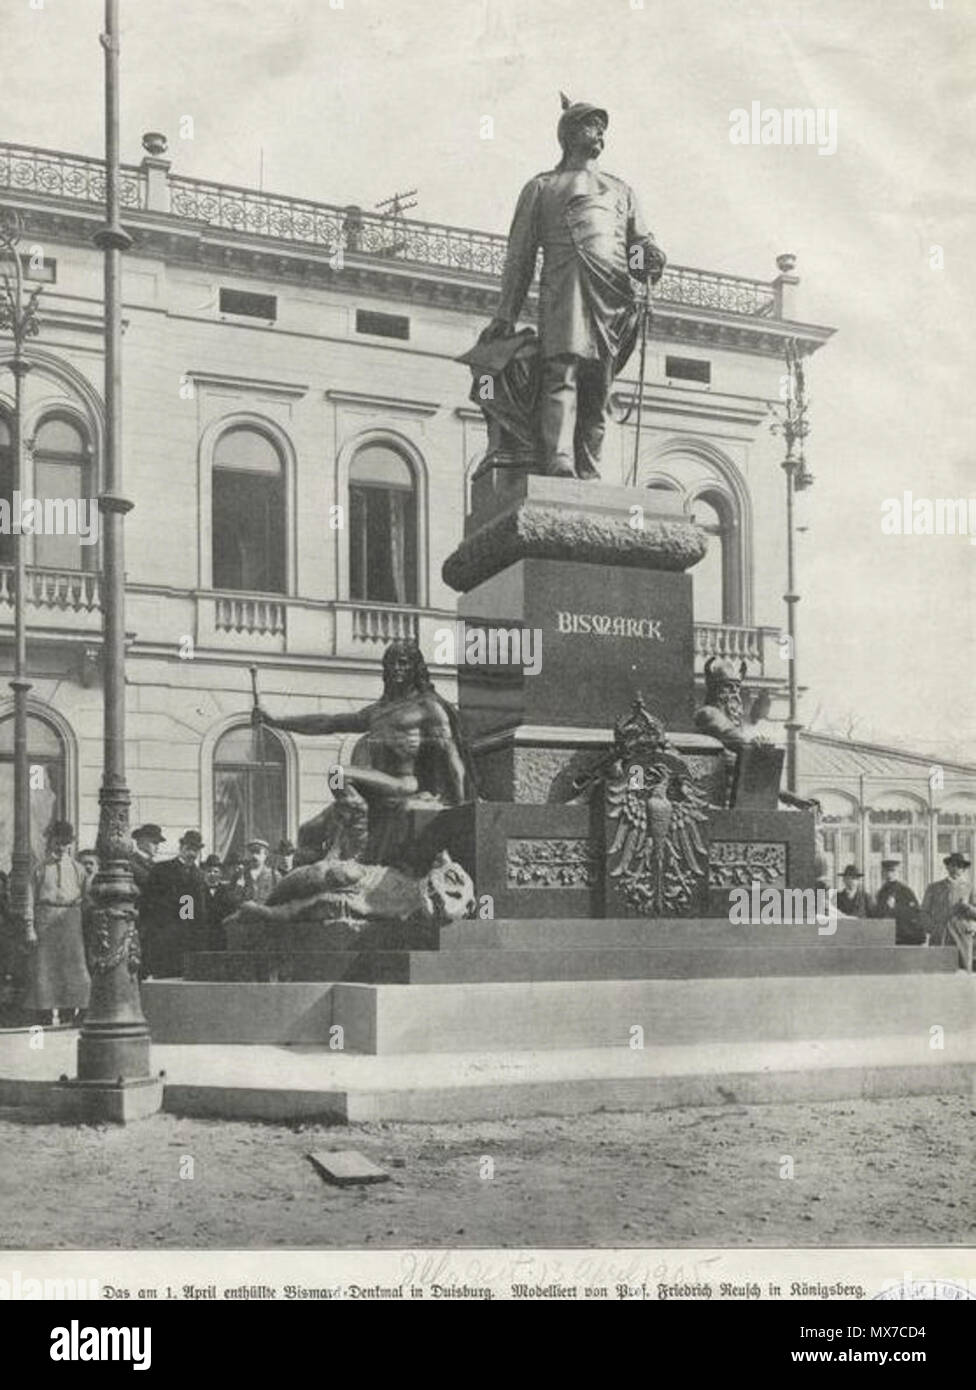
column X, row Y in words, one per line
column 949, row 900
column 284, row 860
column 897, row 900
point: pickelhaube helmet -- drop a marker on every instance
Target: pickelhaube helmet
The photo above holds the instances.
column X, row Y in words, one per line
column 574, row 112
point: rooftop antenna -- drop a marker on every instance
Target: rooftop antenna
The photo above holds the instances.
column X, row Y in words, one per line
column 392, row 209
column 395, row 207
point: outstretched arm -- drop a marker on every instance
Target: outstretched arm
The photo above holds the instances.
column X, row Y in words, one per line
column 354, row 722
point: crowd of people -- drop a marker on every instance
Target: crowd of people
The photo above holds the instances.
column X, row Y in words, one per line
column 947, row 904
column 183, row 904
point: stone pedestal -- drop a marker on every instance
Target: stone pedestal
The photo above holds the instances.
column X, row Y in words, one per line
column 595, row 575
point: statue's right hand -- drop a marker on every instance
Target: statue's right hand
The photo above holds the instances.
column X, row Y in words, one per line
column 498, row 328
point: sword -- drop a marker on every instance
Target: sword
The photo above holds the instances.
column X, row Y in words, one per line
column 645, row 316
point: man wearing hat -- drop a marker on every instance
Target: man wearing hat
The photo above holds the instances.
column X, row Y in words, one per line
column 284, row 860
column 949, row 899
column 59, row 983
column 222, row 899
column 174, row 913
column 897, row 900
column 594, row 246
column 852, row 900
column 146, row 840
column 258, row 878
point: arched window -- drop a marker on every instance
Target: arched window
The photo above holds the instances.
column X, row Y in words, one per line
column 248, row 513
column 46, row 760
column 841, row 831
column 957, row 828
column 6, row 487
column 250, row 789
column 382, row 527
column 716, row 578
column 62, row 473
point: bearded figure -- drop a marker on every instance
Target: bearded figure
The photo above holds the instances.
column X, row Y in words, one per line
column 410, row 757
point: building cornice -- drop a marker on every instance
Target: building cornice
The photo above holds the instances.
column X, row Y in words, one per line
column 284, row 390
column 201, row 245
column 395, row 405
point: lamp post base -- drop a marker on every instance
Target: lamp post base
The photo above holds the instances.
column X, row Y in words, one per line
column 109, row 1102
column 108, row 1051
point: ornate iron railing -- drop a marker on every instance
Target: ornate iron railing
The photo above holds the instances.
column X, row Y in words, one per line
column 77, row 178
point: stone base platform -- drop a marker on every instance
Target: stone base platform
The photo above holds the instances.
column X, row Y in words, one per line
column 572, row 948
column 393, row 1019
column 283, row 1084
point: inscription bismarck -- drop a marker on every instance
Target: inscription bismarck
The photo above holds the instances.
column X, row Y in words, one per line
column 605, row 625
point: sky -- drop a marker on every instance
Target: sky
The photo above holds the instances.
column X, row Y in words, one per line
column 352, row 102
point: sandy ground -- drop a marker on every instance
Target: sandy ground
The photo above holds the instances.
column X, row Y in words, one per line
column 864, row 1173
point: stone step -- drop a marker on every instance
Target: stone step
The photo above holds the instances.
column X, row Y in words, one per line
column 583, row 963
column 561, row 933
column 498, row 1017
column 282, row 1083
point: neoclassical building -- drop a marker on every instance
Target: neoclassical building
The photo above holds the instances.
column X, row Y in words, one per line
column 298, row 444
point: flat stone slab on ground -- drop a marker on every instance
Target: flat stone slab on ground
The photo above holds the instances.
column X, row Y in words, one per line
column 345, row 1167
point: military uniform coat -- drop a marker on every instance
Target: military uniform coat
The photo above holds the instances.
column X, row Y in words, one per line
column 586, row 222
column 897, row 900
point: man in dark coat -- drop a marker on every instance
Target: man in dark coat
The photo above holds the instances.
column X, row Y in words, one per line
column 897, row 900
column 223, row 898
column 146, row 839
column 174, row 914
column 852, row 899
column 949, row 900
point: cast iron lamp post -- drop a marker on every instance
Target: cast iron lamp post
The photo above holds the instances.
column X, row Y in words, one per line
column 18, row 316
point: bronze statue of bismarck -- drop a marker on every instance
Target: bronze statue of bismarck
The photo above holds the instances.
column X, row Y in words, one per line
column 548, row 398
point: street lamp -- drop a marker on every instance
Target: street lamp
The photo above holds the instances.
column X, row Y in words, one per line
column 18, row 316
column 792, row 421
column 114, row 1075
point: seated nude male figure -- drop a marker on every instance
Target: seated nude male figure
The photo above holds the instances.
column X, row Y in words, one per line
column 409, row 757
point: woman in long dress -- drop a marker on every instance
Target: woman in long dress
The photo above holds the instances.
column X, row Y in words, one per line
column 59, row 981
